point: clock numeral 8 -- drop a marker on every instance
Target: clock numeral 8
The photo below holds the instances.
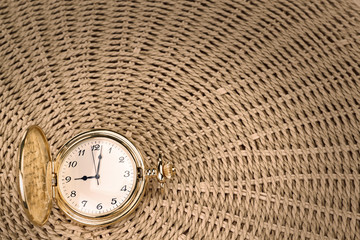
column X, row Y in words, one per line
column 99, row 206
column 73, row 193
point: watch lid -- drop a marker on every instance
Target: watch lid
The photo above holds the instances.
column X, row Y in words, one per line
column 35, row 173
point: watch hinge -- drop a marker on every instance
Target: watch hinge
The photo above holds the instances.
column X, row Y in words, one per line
column 140, row 173
column 54, row 180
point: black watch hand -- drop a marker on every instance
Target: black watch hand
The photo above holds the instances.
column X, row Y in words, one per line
column 92, row 154
column 86, row 177
column 98, row 166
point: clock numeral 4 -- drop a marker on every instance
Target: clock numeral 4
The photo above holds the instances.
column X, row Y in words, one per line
column 84, row 203
column 123, row 188
column 99, row 206
column 73, row 193
column 113, row 201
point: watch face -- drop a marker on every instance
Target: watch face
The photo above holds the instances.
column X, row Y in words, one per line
column 96, row 176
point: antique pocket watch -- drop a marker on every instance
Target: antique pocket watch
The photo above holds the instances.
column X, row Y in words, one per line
column 97, row 178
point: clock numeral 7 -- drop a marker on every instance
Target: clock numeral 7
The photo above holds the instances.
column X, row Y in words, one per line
column 84, row 203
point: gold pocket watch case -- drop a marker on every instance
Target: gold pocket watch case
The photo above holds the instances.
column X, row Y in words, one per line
column 97, row 178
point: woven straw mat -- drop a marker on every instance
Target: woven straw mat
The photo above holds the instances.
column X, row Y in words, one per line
column 256, row 103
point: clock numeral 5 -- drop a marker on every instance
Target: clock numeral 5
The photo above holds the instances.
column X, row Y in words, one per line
column 113, row 201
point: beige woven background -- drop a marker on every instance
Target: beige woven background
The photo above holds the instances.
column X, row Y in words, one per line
column 256, row 103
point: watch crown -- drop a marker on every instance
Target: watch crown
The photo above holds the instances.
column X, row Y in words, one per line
column 169, row 170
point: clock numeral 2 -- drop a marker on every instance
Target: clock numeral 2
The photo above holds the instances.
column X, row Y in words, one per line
column 99, row 206
column 113, row 201
column 84, row 203
column 121, row 159
column 72, row 163
column 73, row 193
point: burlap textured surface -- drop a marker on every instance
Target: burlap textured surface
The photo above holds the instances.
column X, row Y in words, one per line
column 256, row 102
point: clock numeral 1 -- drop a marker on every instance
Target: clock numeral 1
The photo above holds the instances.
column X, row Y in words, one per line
column 121, row 159
column 68, row 179
column 84, row 202
column 113, row 201
column 99, row 206
column 110, row 150
column 123, row 188
column 81, row 152
column 73, row 193
column 127, row 173
column 72, row 163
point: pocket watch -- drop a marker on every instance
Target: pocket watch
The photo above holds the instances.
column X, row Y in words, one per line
column 97, row 178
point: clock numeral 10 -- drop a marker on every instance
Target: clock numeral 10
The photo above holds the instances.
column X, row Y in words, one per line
column 84, row 202
column 113, row 201
column 72, row 163
column 99, row 206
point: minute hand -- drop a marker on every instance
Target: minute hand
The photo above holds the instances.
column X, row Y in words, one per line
column 92, row 154
column 98, row 166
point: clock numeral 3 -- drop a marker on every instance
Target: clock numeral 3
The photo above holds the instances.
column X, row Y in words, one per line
column 84, row 203
column 127, row 173
column 99, row 206
column 72, row 163
column 113, row 201
column 73, row 193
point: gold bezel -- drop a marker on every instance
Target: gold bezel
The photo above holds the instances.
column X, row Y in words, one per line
column 135, row 196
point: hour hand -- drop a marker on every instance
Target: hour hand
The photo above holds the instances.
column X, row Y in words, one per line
column 85, row 178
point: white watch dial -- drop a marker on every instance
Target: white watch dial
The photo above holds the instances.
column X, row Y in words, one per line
column 97, row 176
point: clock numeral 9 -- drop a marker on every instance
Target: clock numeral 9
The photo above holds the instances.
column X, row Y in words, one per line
column 99, row 206
column 84, row 203
column 113, row 201
column 127, row 173
column 73, row 193
column 72, row 163
column 121, row 159
column 68, row 179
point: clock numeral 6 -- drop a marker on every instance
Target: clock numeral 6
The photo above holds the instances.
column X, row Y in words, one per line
column 113, row 201
column 68, row 179
column 72, row 163
column 84, row 203
column 99, row 206
column 121, row 159
column 73, row 193
column 127, row 173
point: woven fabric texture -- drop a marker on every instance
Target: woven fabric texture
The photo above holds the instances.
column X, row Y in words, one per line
column 256, row 103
